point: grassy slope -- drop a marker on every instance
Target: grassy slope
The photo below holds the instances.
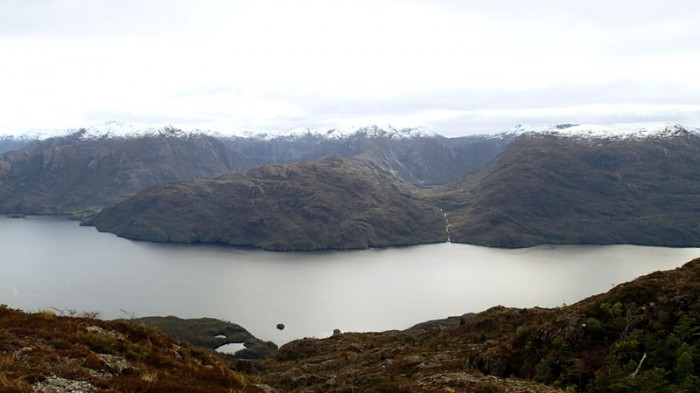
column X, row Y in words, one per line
column 642, row 336
column 45, row 352
column 549, row 189
column 334, row 203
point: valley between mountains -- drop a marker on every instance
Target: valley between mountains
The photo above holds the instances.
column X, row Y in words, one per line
column 373, row 188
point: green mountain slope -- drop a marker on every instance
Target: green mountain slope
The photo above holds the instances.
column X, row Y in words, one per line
column 549, row 188
column 333, row 203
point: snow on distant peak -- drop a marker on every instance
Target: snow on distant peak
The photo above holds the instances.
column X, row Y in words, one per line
column 391, row 132
column 614, row 131
column 113, row 128
column 373, row 131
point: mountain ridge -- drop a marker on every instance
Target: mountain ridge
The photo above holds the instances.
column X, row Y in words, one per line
column 543, row 188
column 558, row 187
column 84, row 171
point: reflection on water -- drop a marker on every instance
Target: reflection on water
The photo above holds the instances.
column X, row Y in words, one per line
column 48, row 262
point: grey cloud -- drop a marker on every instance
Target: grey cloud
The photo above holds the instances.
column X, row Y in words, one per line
column 486, row 111
column 630, row 92
column 481, row 123
column 102, row 115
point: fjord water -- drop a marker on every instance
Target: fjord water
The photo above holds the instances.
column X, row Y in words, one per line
column 52, row 262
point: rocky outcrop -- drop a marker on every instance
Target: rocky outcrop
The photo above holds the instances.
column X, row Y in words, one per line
column 211, row 333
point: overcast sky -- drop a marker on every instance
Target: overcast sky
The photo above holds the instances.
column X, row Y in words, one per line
column 448, row 66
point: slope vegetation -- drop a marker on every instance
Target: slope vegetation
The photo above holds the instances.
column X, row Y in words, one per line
column 641, row 336
column 333, row 203
column 43, row 352
column 552, row 188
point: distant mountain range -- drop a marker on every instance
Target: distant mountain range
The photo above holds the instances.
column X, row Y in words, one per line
column 417, row 158
column 88, row 170
column 568, row 184
column 81, row 174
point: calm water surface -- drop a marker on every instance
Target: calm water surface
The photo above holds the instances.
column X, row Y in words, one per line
column 50, row 262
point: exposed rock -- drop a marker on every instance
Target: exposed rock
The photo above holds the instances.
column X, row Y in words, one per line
column 211, row 333
column 55, row 384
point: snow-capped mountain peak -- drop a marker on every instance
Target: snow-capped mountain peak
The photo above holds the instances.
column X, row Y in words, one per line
column 612, row 131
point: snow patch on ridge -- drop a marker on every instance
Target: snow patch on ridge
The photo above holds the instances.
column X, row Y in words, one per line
column 116, row 129
column 588, row 131
column 612, row 131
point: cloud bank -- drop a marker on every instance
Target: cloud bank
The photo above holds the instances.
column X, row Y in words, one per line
column 450, row 67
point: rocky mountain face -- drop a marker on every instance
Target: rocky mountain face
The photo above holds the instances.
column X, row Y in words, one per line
column 68, row 175
column 83, row 172
column 567, row 189
column 333, row 203
column 417, row 158
column 8, row 143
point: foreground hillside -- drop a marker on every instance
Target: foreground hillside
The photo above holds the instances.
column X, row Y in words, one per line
column 47, row 353
column 642, row 336
column 42, row 352
column 333, row 203
column 563, row 189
